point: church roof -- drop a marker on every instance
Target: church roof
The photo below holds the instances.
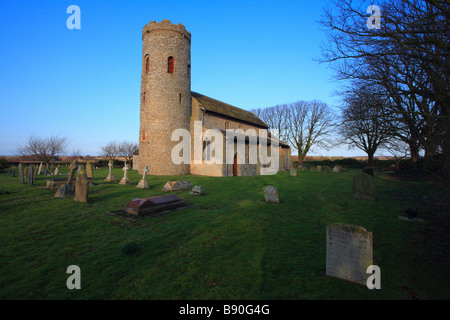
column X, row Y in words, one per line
column 228, row 110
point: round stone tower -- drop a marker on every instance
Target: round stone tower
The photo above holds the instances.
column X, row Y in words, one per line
column 166, row 102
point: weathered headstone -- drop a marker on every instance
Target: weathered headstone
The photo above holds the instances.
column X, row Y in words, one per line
column 30, row 174
column 293, row 172
column 13, row 172
column 363, row 187
column 319, row 168
column 177, row 185
column 198, row 190
column 271, row 194
column 325, row 169
column 81, row 187
column 40, row 169
column 56, row 173
column 125, row 175
column 143, row 183
column 45, row 171
column 21, row 174
column 337, row 169
column 349, row 252
column 73, row 166
column 110, row 177
column 89, row 172
column 35, row 171
column 78, row 170
column 65, row 190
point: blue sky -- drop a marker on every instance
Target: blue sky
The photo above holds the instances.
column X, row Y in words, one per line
column 84, row 84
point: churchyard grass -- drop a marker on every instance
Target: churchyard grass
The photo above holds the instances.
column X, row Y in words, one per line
column 229, row 245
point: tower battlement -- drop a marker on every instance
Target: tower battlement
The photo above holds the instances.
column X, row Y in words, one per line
column 166, row 25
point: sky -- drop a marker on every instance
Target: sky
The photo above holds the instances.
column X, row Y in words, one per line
column 84, row 84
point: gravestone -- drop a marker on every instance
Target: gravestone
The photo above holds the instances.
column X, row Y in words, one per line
column 143, row 183
column 305, row 168
column 45, row 171
column 319, row 168
column 349, row 252
column 177, row 185
column 13, row 172
column 110, row 177
column 271, row 194
column 81, row 187
column 363, row 187
column 30, row 175
column 21, row 174
column 78, row 170
column 293, row 172
column 40, row 169
column 73, row 166
column 312, row 169
column 35, row 171
column 325, row 169
column 337, row 169
column 153, row 204
column 198, row 190
column 56, row 173
column 125, row 180
column 65, row 190
column 89, row 172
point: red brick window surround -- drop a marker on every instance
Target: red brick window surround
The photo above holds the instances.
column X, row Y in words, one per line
column 171, row 65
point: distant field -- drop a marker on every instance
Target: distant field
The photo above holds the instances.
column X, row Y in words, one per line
column 229, row 245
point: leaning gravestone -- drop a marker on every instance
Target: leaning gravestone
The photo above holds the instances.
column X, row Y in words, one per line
column 110, row 177
column 40, row 169
column 21, row 174
column 349, row 252
column 271, row 194
column 125, row 175
column 73, row 166
column 177, row 185
column 81, row 187
column 30, row 174
column 143, row 183
column 293, row 172
column 363, row 187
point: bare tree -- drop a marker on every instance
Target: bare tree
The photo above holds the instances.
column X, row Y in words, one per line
column 398, row 149
column 309, row 123
column 110, row 150
column 362, row 124
column 127, row 149
column 43, row 149
column 407, row 57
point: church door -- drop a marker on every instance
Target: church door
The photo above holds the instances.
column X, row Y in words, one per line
column 235, row 166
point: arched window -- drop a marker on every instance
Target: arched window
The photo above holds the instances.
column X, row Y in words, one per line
column 206, row 150
column 189, row 70
column 181, row 98
column 171, row 65
column 147, row 65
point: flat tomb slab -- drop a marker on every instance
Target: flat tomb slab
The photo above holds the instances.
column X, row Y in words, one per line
column 152, row 204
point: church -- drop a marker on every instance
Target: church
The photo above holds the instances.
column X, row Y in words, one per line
column 217, row 139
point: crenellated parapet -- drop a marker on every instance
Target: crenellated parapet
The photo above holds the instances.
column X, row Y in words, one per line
column 166, row 25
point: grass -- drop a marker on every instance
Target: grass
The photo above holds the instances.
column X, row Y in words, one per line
column 229, row 245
